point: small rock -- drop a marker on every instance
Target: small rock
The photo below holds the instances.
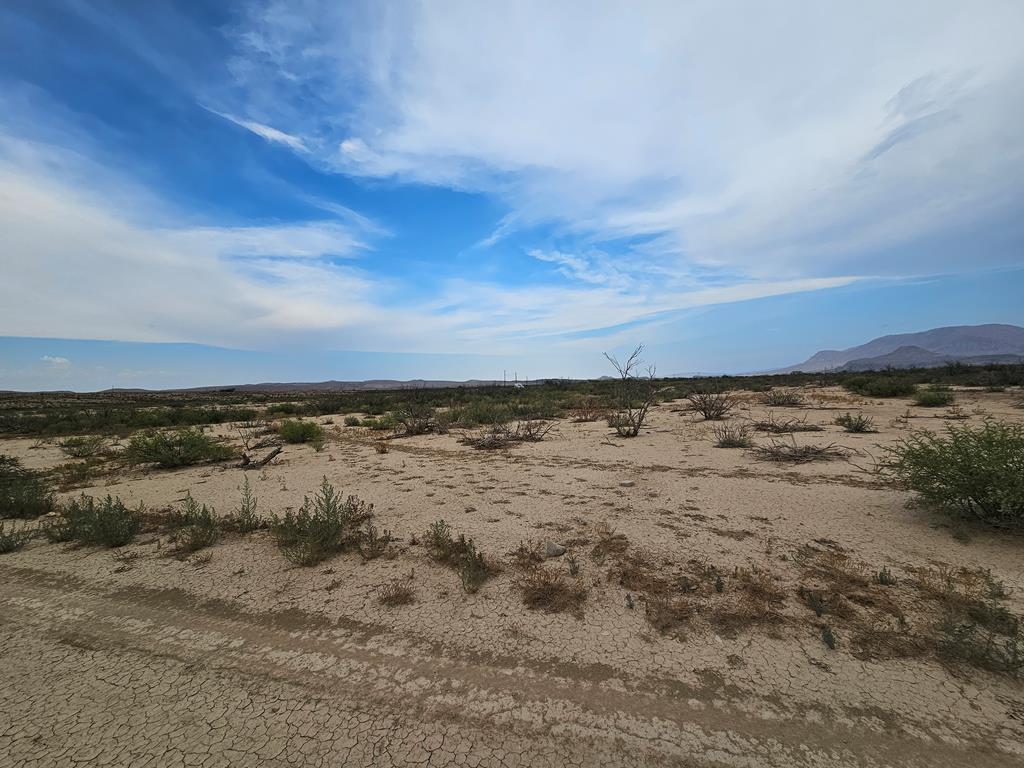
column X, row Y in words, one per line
column 554, row 550
column 627, row 483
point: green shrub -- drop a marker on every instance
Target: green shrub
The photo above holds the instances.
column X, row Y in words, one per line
column 459, row 554
column 81, row 447
column 107, row 523
column 352, row 421
column 179, row 448
column 933, row 397
column 245, row 518
column 976, row 471
column 858, row 423
column 194, row 527
column 15, row 539
column 297, row 431
column 381, row 423
column 777, row 398
column 321, row 528
column 23, row 493
column 880, row 386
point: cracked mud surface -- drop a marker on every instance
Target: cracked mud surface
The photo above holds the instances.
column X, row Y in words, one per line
column 146, row 660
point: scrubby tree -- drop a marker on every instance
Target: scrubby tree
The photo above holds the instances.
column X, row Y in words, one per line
column 636, row 392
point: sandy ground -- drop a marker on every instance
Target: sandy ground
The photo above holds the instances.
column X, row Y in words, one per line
column 137, row 659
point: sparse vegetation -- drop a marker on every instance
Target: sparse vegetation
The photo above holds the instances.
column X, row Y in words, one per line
column 881, row 386
column 499, row 436
column 635, row 393
column 82, row 446
column 459, row 554
column 99, row 523
column 398, row 591
column 298, row 431
column 786, row 426
column 14, row 539
column 727, row 436
column 858, row 423
column 322, row 527
column 23, row 493
column 974, row 471
column 933, row 397
column 799, row 454
column 180, row 448
column 245, row 517
column 713, row 406
column 778, row 398
column 193, row 527
column 552, row 592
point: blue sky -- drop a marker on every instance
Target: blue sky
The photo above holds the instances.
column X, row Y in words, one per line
column 312, row 190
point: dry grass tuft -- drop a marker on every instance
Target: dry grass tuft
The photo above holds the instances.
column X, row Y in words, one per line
column 552, row 592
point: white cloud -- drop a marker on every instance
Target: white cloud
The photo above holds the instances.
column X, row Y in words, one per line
column 266, row 132
column 774, row 139
column 56, row 363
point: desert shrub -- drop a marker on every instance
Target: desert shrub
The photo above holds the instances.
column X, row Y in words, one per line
column 880, row 386
column 635, row 394
column 179, row 448
column 975, row 471
column 777, row 398
column 381, row 423
column 14, row 539
column 23, row 492
column 786, row 426
column 245, row 517
column 799, row 454
column 397, row 591
column 82, row 446
column 504, row 436
column 371, row 543
column 933, row 397
column 668, row 614
column 981, row 647
column 732, row 437
column 589, row 409
column 713, row 406
column 322, row 527
column 298, row 431
column 855, row 423
column 459, row 554
column 550, row 591
column 194, row 527
column 352, row 421
column 416, row 416
column 103, row 523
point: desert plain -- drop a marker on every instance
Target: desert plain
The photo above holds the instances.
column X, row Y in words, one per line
column 722, row 609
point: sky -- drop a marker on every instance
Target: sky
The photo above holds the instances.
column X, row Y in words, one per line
column 198, row 193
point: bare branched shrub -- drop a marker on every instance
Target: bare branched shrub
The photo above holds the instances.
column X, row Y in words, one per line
column 253, row 434
column 713, row 406
column 786, row 426
column 800, row 454
column 635, row 393
column 499, row 436
column 416, row 415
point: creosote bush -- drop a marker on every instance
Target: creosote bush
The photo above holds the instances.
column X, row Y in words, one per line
column 973, row 471
column 459, row 554
column 713, row 406
column 933, row 397
column 82, row 446
column 98, row 523
column 23, row 492
column 298, row 431
column 322, row 527
column 179, row 448
column 880, row 386
column 855, row 423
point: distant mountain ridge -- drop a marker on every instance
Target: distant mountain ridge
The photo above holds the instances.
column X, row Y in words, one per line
column 970, row 344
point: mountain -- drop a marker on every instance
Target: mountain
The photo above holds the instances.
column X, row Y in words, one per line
column 974, row 344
